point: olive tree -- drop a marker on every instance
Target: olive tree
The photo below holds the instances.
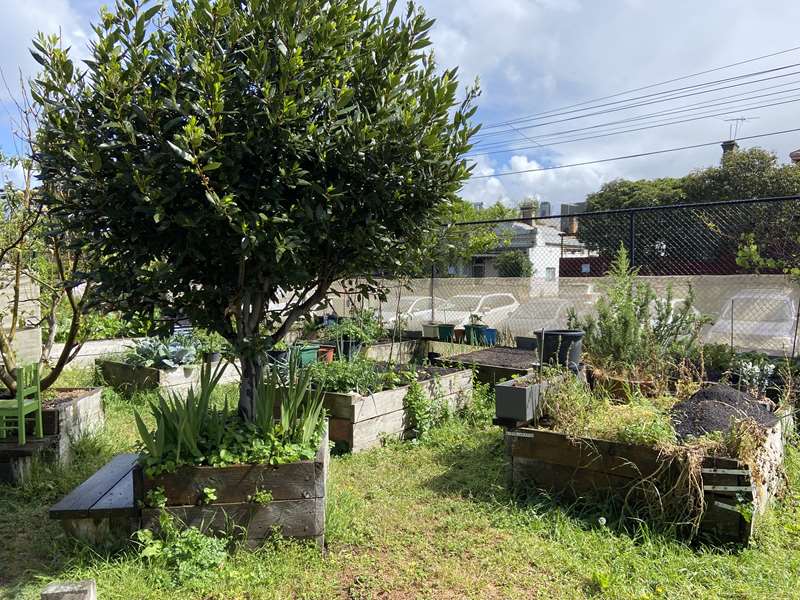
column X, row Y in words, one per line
column 231, row 160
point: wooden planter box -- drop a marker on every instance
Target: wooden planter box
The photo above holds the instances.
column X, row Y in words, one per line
column 486, row 362
column 132, row 378
column 403, row 351
column 522, row 404
column 62, row 424
column 579, row 467
column 297, row 508
column 359, row 422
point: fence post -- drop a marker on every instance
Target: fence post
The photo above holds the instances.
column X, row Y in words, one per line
column 632, row 237
column 433, row 308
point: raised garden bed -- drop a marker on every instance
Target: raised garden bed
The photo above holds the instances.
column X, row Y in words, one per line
column 725, row 496
column 295, row 506
column 402, row 352
column 495, row 364
column 132, row 378
column 70, row 415
column 358, row 422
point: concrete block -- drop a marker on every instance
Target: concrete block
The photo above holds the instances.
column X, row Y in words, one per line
column 71, row 590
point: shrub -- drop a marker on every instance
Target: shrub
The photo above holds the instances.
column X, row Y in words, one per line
column 634, row 331
column 172, row 352
column 360, row 375
column 514, row 263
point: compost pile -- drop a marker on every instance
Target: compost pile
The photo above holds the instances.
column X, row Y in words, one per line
column 717, row 408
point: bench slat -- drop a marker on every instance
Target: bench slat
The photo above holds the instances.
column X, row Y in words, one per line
column 118, row 501
column 79, row 501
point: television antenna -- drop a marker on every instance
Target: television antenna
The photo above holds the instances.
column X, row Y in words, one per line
column 736, row 125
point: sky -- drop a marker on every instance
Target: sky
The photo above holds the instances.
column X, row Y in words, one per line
column 535, row 56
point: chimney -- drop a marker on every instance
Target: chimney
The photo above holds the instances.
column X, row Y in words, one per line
column 527, row 211
column 795, row 157
column 728, row 147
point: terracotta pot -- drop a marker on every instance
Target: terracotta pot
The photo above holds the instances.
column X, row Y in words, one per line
column 325, row 354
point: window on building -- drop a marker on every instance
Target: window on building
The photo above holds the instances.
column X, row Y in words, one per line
column 550, row 274
column 478, row 266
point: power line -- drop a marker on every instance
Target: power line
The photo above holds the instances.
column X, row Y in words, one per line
column 619, row 108
column 652, row 85
column 687, row 108
column 655, row 125
column 651, row 153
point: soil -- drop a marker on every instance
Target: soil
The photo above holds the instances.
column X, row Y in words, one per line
column 423, row 373
column 498, row 356
column 716, row 408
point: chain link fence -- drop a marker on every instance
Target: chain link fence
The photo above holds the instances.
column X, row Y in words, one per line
column 538, row 268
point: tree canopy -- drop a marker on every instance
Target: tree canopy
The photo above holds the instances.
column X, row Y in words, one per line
column 223, row 156
column 764, row 232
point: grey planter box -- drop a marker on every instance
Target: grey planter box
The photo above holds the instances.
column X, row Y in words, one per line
column 522, row 403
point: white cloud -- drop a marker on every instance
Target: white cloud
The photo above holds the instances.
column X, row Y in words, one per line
column 534, row 56
column 19, row 25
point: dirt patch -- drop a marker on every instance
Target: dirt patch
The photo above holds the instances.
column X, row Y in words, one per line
column 514, row 358
column 715, row 409
column 52, row 398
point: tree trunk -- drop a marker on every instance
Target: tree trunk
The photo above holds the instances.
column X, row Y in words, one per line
column 252, row 373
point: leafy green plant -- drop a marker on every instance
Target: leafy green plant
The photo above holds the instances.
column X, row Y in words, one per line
column 361, row 375
column 260, row 497
column 424, row 412
column 169, row 353
column 156, row 498
column 363, row 326
column 208, row 495
column 286, row 428
column 185, row 553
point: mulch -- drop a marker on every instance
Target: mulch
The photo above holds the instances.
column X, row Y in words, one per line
column 715, row 409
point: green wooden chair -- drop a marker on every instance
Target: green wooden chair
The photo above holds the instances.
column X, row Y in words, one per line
column 28, row 400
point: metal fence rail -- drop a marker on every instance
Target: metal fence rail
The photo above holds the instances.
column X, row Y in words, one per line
column 540, row 267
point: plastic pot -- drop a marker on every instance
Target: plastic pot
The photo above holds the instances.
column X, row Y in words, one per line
column 490, row 336
column 527, row 343
column 561, row 346
column 473, row 334
column 446, row 332
column 212, row 357
column 430, row 330
column 307, row 354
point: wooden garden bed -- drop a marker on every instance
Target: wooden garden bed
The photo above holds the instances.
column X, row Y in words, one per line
column 728, row 500
column 296, row 508
column 360, row 422
column 134, row 378
column 494, row 364
column 74, row 413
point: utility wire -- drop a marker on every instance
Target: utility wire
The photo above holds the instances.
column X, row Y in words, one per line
column 655, row 125
column 687, row 108
column 619, row 108
column 614, row 158
column 652, row 85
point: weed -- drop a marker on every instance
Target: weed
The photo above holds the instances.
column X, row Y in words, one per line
column 186, row 554
column 260, row 497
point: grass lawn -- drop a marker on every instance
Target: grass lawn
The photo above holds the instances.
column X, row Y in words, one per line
column 427, row 520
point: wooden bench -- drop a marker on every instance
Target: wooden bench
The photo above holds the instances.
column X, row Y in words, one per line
column 102, row 508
